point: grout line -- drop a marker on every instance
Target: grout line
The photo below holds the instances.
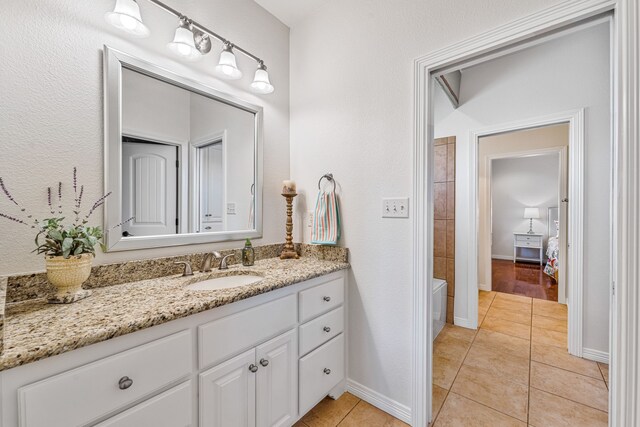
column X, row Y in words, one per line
column 567, row 370
column 603, row 376
column 570, row 400
column 347, row 414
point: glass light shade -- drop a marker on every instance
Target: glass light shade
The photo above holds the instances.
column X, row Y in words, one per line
column 183, row 44
column 126, row 17
column 531, row 213
column 261, row 83
column 227, row 68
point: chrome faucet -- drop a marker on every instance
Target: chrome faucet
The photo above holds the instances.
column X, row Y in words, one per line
column 223, row 262
column 208, row 259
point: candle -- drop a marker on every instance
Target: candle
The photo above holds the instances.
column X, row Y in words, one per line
column 288, row 187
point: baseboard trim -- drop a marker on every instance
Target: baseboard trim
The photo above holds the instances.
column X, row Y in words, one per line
column 504, row 257
column 595, row 355
column 390, row 406
column 462, row 322
column 483, row 287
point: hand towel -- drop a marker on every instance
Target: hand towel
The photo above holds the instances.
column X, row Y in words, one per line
column 326, row 219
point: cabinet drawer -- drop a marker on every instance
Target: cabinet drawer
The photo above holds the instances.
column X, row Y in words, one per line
column 529, row 239
column 321, row 299
column 318, row 331
column 92, row 391
column 226, row 337
column 170, row 409
column 320, row 371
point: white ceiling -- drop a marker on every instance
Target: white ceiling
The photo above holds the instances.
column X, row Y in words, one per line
column 290, row 12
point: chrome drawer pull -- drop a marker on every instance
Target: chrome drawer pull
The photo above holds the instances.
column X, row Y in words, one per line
column 327, row 299
column 327, row 371
column 264, row 362
column 125, row 383
column 253, row 368
column 326, row 329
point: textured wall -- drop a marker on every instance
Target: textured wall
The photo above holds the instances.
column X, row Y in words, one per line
column 51, row 101
column 352, row 114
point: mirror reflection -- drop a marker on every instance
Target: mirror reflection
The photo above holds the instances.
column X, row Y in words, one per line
column 187, row 160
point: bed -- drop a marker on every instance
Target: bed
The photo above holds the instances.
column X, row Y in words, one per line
column 553, row 246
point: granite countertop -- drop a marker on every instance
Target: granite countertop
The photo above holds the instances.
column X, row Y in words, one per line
column 36, row 330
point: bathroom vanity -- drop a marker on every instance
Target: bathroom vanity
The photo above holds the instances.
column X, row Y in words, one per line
column 153, row 353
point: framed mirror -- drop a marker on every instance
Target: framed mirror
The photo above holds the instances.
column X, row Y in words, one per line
column 183, row 161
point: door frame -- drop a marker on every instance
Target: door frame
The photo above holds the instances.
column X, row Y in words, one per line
column 575, row 231
column 625, row 209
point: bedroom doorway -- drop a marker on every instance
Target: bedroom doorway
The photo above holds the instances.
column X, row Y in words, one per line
column 523, row 179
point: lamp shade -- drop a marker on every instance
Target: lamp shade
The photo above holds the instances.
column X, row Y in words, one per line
column 227, row 68
column 531, row 213
column 183, row 44
column 261, row 83
column 126, row 17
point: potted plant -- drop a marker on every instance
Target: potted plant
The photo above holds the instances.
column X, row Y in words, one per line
column 68, row 246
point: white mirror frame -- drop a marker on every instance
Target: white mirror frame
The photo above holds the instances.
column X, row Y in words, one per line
column 114, row 62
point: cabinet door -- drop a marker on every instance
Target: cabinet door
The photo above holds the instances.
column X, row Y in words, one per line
column 170, row 409
column 277, row 379
column 228, row 393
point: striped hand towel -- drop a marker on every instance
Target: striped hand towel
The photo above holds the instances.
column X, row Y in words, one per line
column 326, row 220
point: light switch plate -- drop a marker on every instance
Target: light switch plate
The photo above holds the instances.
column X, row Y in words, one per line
column 231, row 208
column 395, row 207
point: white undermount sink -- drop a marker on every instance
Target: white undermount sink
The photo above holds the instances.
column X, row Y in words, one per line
column 224, row 282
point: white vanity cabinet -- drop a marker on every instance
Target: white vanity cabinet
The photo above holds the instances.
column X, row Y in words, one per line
column 260, row 362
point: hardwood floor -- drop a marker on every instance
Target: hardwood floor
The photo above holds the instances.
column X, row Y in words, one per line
column 522, row 279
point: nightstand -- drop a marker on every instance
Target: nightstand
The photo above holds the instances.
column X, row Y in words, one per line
column 526, row 240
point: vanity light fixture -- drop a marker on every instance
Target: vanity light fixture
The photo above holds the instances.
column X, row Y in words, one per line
column 261, row 83
column 227, row 68
column 183, row 44
column 191, row 41
column 126, row 17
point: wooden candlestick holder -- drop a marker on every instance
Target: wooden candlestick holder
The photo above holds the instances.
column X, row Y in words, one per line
column 289, row 251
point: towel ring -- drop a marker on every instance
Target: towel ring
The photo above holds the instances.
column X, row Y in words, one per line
column 328, row 177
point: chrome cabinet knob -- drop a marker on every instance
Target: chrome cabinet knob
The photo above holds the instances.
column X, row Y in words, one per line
column 327, row 299
column 327, row 371
column 253, row 368
column 264, row 362
column 125, row 383
column 326, row 329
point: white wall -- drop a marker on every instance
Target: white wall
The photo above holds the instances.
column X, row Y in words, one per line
column 521, row 142
column 51, row 111
column 352, row 115
column 517, row 183
column 562, row 75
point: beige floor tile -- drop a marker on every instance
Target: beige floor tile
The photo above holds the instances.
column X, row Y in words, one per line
column 604, row 368
column 450, row 346
column 548, row 337
column 459, row 411
column 482, row 295
column 365, row 414
column 511, row 305
column 560, row 358
column 548, row 410
column 549, row 309
column 437, row 400
column 300, row 424
column 457, row 332
column 482, row 386
column 499, row 364
column 515, row 316
column 549, row 323
column 445, row 370
column 501, row 296
column 507, row 344
column 481, row 317
column 507, row 327
column 329, row 412
column 572, row 386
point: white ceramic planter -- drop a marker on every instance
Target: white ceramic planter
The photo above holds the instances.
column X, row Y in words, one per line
column 68, row 275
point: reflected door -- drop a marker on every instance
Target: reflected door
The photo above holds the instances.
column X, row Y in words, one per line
column 211, row 177
column 149, row 188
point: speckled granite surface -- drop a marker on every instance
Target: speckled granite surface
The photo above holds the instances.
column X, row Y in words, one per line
column 35, row 330
column 33, row 286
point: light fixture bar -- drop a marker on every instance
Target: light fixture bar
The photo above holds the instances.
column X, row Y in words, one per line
column 205, row 30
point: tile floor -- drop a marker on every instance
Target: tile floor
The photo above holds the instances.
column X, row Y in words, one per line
column 348, row 411
column 515, row 370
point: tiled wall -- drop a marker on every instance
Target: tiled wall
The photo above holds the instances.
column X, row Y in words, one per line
column 444, row 216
